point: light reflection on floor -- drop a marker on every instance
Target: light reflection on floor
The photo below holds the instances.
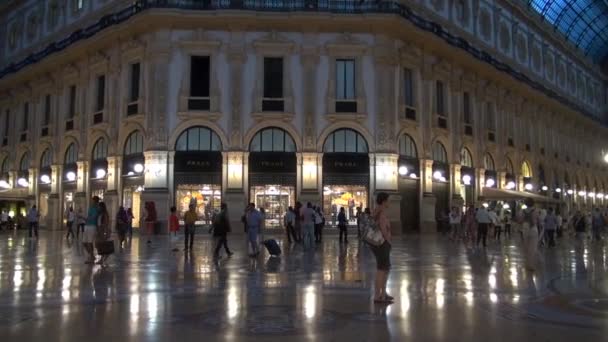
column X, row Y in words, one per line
column 443, row 291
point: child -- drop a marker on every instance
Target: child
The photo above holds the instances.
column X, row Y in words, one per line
column 173, row 224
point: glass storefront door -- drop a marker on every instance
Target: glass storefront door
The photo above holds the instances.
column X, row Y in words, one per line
column 275, row 199
column 349, row 197
column 207, row 199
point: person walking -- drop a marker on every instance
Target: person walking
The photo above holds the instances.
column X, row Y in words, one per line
column 382, row 252
column 507, row 221
column 130, row 218
column 90, row 229
column 121, row 225
column 290, row 221
column 319, row 222
column 496, row 224
column 298, row 226
column 254, row 226
column 150, row 220
column 190, row 218
column 484, row 220
column 469, row 223
column 32, row 218
column 551, row 224
column 221, row 228
column 4, row 220
column 528, row 218
column 70, row 217
column 81, row 219
column 597, row 224
column 307, row 216
column 455, row 223
column 342, row 225
column 104, row 232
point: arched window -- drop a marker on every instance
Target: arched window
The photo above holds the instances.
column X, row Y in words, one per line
column 198, row 139
column 24, row 164
column 46, row 160
column 488, row 162
column 509, row 166
column 526, row 170
column 272, row 139
column 465, row 158
column 100, row 149
column 407, row 147
column 5, row 166
column 71, row 154
column 134, row 144
column 439, row 153
column 345, row 141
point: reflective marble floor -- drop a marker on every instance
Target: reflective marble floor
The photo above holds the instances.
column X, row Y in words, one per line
column 444, row 292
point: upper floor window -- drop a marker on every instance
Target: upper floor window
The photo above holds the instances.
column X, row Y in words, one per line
column 32, row 26
column 408, row 94
column 53, row 14
column 460, row 9
column 12, row 37
column 439, row 98
column 272, row 140
column 273, row 84
column 345, row 86
column 26, row 116
column 200, row 83
column 47, row 110
column 7, row 120
column 491, row 121
column 101, row 93
column 134, row 82
column 466, row 108
column 72, row 102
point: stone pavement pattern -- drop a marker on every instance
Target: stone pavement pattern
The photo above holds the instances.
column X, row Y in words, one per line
column 443, row 291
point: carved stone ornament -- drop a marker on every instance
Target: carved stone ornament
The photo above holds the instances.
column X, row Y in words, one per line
column 346, row 45
column 274, row 43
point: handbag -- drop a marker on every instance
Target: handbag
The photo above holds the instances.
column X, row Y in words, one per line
column 371, row 233
column 105, row 247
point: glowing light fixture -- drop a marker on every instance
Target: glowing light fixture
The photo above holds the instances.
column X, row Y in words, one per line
column 582, row 193
column 100, row 173
column 592, row 194
column 71, row 176
column 606, row 157
column 570, row 192
column 506, row 206
column 466, row 179
column 544, row 188
column 22, row 182
column 402, row 170
column 528, row 186
column 600, row 195
column 490, row 182
column 511, row 185
column 485, row 205
column 45, row 179
column 558, row 190
column 443, row 179
column 524, row 207
column 413, row 175
column 437, row 175
column 139, row 168
column 4, row 184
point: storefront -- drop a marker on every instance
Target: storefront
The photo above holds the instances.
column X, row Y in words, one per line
column 441, row 188
column 272, row 173
column 345, row 175
column 409, row 184
column 198, row 172
column 133, row 166
column 44, row 186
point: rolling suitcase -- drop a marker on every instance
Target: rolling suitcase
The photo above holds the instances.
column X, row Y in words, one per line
column 272, row 247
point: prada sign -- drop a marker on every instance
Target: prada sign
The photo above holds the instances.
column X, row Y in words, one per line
column 272, row 162
column 345, row 163
column 198, row 162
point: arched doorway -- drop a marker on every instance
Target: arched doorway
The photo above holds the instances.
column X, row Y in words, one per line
column 510, row 178
column 133, row 165
column 345, row 174
column 441, row 189
column 526, row 173
column 467, row 190
column 70, row 171
column 409, row 183
column 272, row 173
column 99, row 168
column 198, row 171
column 24, row 171
column 44, row 185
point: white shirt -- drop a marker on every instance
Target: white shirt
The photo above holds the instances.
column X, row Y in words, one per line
column 482, row 216
column 290, row 218
column 454, row 218
column 493, row 217
column 4, row 217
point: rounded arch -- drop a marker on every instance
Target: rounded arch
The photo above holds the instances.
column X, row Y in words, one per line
column 346, row 124
column 198, row 138
column 95, row 138
column 466, row 158
column 345, row 140
column 509, row 166
column 526, row 169
column 185, row 125
column 439, row 153
column 272, row 139
column 443, row 142
column 488, row 162
column 5, row 167
column 100, row 149
column 42, row 147
column 65, row 144
column 70, row 156
column 282, row 125
column 407, row 146
column 134, row 144
column 24, row 161
column 125, row 133
column 46, row 160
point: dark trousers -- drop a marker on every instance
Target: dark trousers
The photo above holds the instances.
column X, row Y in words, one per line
column 550, row 237
column 70, row 230
column 221, row 240
column 497, row 231
column 189, row 234
column 318, row 232
column 507, row 230
column 482, row 233
column 343, row 231
column 291, row 233
column 33, row 226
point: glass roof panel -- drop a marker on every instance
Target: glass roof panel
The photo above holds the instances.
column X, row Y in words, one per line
column 583, row 22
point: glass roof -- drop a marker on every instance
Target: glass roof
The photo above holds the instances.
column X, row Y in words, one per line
column 583, row 22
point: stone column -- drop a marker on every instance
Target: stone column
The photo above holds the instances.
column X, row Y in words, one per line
column 309, row 177
column 111, row 196
column 480, row 183
column 81, row 199
column 233, row 184
column 236, row 59
column 155, row 186
column 456, row 186
column 501, row 182
column 310, row 61
column 428, row 223
column 387, row 180
column 520, row 182
column 54, row 216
